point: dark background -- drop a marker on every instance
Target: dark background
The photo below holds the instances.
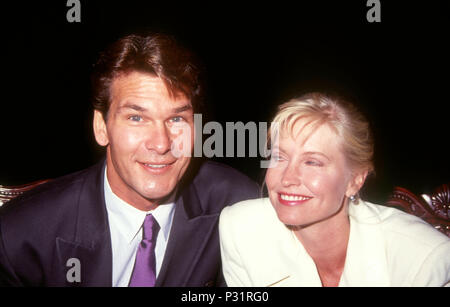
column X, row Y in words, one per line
column 257, row 55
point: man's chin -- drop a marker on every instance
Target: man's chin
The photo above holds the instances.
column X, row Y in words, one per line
column 161, row 198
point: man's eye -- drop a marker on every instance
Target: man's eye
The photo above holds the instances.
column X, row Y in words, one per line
column 176, row 119
column 135, row 118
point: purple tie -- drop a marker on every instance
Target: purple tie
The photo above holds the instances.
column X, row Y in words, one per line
column 144, row 273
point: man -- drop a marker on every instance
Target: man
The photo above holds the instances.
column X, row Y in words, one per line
column 146, row 216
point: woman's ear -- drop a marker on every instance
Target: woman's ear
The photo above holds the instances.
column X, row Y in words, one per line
column 356, row 183
column 100, row 131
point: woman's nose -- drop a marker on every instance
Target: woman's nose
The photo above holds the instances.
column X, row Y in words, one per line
column 291, row 176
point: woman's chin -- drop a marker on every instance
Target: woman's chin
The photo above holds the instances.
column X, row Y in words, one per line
column 289, row 219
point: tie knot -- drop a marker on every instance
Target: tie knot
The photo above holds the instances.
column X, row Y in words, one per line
column 151, row 228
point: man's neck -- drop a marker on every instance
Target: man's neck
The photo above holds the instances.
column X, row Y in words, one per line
column 138, row 201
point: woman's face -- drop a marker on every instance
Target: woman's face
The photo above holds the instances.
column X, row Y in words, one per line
column 308, row 179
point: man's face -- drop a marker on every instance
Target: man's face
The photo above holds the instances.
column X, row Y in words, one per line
column 144, row 123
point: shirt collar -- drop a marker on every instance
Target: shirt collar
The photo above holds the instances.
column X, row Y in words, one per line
column 129, row 220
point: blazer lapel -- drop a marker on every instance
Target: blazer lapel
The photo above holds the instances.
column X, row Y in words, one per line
column 366, row 263
column 286, row 261
column 287, row 272
column 90, row 249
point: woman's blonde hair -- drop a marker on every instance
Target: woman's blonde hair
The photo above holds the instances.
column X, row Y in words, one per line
column 343, row 117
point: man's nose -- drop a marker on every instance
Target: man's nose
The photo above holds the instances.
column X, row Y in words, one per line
column 291, row 176
column 158, row 139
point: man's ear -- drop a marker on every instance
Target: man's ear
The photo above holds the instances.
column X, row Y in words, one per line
column 100, row 131
column 356, row 183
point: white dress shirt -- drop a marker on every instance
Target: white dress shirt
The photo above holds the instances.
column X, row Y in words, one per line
column 125, row 224
column 386, row 247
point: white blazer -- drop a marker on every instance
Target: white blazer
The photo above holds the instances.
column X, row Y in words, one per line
column 387, row 247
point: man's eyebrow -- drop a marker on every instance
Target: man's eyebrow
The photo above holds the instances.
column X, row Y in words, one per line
column 142, row 109
column 134, row 107
column 182, row 108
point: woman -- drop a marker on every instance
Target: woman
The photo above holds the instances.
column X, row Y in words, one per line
column 313, row 230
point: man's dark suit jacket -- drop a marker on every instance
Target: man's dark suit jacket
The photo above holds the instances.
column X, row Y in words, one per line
column 67, row 218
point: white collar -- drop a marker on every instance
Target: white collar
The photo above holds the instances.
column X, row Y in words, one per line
column 365, row 263
column 129, row 219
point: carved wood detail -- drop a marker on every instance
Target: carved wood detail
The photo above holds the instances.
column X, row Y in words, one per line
column 434, row 208
column 9, row 192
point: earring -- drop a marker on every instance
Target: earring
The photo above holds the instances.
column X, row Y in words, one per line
column 353, row 199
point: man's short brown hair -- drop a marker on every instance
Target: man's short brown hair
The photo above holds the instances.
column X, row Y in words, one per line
column 156, row 54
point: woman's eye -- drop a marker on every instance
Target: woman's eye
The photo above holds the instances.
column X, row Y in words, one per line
column 135, row 118
column 276, row 157
column 313, row 163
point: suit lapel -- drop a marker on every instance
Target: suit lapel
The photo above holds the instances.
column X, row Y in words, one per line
column 91, row 245
column 190, row 233
column 82, row 265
